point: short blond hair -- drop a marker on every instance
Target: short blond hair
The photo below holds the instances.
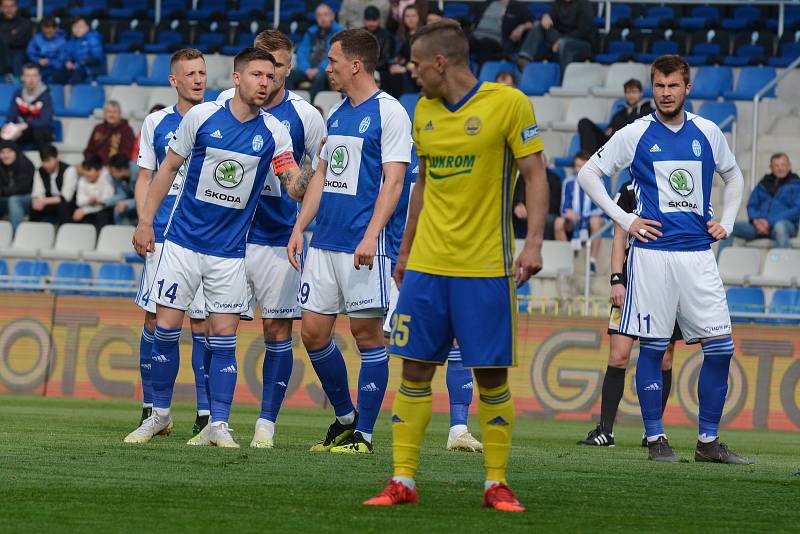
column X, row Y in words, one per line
column 272, row 40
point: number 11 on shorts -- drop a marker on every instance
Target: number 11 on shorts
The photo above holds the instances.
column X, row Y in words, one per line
column 646, row 319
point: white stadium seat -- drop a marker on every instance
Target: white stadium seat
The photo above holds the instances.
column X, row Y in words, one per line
column 76, row 135
column 6, row 234
column 218, row 71
column 781, row 269
column 738, row 264
column 547, row 109
column 114, row 242
column 29, row 239
column 579, row 78
column 72, row 241
column 594, row 109
column 132, row 99
column 619, row 73
column 326, row 100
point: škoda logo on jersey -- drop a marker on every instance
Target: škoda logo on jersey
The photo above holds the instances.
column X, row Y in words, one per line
column 339, row 160
column 681, row 182
column 229, row 173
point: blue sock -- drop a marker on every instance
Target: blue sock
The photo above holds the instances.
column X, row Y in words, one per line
column 198, row 355
column 712, row 386
column 459, row 388
column 328, row 363
column 145, row 365
column 222, row 376
column 372, row 381
column 649, row 383
column 206, row 368
column 165, row 362
column 276, row 373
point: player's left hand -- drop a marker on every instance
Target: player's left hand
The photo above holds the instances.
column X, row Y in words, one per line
column 365, row 252
column 716, row 230
column 144, row 239
column 527, row 264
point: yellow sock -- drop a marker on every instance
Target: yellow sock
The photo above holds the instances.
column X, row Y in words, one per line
column 496, row 415
column 411, row 413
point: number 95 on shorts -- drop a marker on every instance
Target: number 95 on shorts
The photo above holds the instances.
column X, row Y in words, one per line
column 181, row 272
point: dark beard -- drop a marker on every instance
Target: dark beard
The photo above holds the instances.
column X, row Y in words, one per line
column 672, row 114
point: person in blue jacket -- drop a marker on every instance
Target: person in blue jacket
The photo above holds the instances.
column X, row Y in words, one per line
column 44, row 50
column 773, row 210
column 83, row 55
column 312, row 54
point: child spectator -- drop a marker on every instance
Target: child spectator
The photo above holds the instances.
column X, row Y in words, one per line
column 45, row 48
column 53, row 196
column 94, row 191
column 82, row 56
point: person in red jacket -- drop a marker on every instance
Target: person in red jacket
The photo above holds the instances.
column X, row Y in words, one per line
column 30, row 115
column 112, row 136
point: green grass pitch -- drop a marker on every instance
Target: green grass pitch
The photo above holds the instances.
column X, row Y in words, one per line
column 64, row 468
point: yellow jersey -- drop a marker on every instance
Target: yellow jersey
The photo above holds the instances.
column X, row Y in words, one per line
column 470, row 152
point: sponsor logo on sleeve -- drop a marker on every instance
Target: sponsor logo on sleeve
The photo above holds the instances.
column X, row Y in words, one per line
column 530, row 133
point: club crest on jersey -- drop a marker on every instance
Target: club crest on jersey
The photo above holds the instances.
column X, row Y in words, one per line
column 258, row 143
column 364, row 125
column 472, row 126
column 339, row 159
column 229, row 173
column 696, row 148
column 681, row 181
column 287, row 125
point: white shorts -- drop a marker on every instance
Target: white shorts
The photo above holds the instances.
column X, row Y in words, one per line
column 667, row 285
column 394, row 294
column 272, row 282
column 180, row 272
column 331, row 284
column 197, row 308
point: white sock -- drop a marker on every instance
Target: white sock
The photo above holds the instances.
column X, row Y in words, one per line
column 268, row 425
column 489, row 483
column 163, row 412
column 203, row 413
column 457, row 430
column 218, row 423
column 367, row 437
column 347, row 419
column 147, row 405
column 704, row 438
column 407, row 482
column 651, row 439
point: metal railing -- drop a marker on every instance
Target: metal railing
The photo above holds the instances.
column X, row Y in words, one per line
column 756, row 100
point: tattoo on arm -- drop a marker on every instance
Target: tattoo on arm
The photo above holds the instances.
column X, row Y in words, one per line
column 295, row 180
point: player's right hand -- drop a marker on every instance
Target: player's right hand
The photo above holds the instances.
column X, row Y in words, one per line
column 144, row 239
column 400, row 269
column 617, row 295
column 295, row 249
column 650, row 228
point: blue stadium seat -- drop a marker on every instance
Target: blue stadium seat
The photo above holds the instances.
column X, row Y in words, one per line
column 211, row 94
column 127, row 40
column 658, row 48
column 702, row 52
column 791, row 18
column 785, row 301
column 73, row 274
column 55, row 5
column 409, row 102
column 129, row 9
column 711, row 82
column 171, row 9
column 3, row 267
column 167, row 40
column 29, row 272
column 242, row 41
column 788, row 52
column 89, row 7
column 83, row 100
column 523, row 297
column 115, row 275
column 127, row 67
column 248, row 8
column 491, row 69
column 6, row 94
column 574, row 147
column 717, row 112
column 538, row 9
column 159, row 72
column 743, row 18
column 654, row 17
column 455, row 10
column 751, row 81
column 618, row 51
column 745, row 300
column 538, row 78
column 57, row 94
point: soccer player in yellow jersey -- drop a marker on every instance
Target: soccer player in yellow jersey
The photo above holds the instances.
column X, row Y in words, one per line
column 455, row 268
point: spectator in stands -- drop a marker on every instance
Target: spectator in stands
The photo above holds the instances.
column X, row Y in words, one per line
column 112, row 136
column 399, row 80
column 593, row 137
column 568, row 32
column 16, row 30
column 94, row 191
column 16, row 182
column 434, row 14
column 53, row 196
column 506, row 78
column 398, row 7
column 774, row 206
column 520, row 213
column 351, row 14
column 82, row 57
column 30, row 116
column 501, row 28
column 312, row 54
column 579, row 217
column 123, row 174
column 45, row 48
column 372, row 23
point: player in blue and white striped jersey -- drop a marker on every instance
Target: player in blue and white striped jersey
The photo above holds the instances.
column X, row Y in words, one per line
column 273, row 282
column 672, row 272
column 229, row 147
column 188, row 77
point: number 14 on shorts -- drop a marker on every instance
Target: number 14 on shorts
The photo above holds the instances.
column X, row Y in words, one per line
column 170, row 293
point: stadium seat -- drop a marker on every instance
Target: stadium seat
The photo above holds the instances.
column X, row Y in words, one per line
column 76, row 136
column 3, row 271
column 72, row 240
column 72, row 274
column 326, row 100
column 751, row 81
column 718, row 112
column 618, row 51
column 29, row 272
column 127, row 67
column 159, row 72
column 166, row 41
column 491, row 69
column 114, row 242
column 131, row 36
column 593, row 109
column 787, row 53
column 574, row 147
column 710, row 83
column 248, row 8
column 409, row 102
column 57, row 94
column 559, row 259
column 132, row 99
column 538, row 78
column 6, row 234
column 83, row 100
column 619, row 73
column 744, row 17
column 29, row 239
column 116, row 275
column 781, row 269
column 129, row 9
column 784, row 301
column 6, row 94
column 548, row 110
column 745, row 300
column 738, row 264
column 654, row 16
column 164, row 96
column 579, row 78
column 218, row 71
column 523, row 297
column 211, row 94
